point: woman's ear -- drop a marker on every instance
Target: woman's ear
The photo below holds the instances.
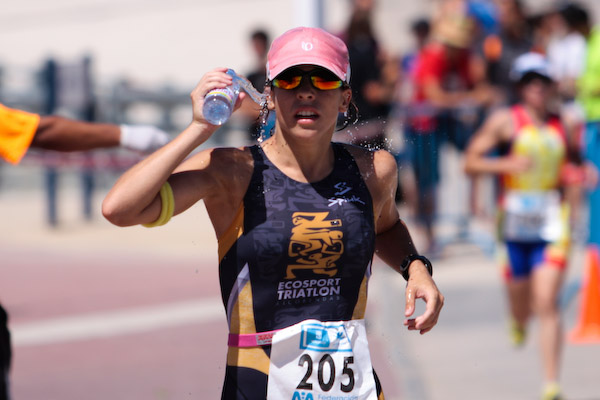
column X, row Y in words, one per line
column 346, row 99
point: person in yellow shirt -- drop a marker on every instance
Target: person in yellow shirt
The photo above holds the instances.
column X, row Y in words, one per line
column 21, row 130
column 534, row 211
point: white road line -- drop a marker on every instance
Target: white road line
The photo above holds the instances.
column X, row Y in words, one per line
column 122, row 322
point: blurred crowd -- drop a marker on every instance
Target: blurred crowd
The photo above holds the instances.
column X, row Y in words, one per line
column 457, row 72
column 438, row 93
column 517, row 96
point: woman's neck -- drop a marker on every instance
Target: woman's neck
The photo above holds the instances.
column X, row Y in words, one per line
column 537, row 115
column 303, row 160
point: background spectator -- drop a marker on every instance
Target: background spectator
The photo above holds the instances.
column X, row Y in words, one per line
column 259, row 40
column 373, row 78
column 450, row 89
column 514, row 37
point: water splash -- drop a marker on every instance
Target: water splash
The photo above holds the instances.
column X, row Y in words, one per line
column 262, row 120
column 267, row 123
column 245, row 84
column 260, row 99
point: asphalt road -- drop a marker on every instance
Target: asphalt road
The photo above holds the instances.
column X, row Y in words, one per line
column 99, row 312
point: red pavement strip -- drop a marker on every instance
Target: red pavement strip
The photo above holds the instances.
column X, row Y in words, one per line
column 43, row 284
column 181, row 361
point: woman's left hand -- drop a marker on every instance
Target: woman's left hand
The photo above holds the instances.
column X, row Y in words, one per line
column 421, row 286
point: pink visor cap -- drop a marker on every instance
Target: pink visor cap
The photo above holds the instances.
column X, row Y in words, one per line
column 312, row 46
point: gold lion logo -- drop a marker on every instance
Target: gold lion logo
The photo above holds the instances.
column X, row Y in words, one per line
column 315, row 243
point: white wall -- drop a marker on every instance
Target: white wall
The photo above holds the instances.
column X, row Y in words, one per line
column 146, row 40
column 151, row 41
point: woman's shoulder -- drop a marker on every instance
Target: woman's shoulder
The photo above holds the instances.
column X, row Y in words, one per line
column 222, row 159
column 374, row 164
column 232, row 155
column 379, row 171
column 225, row 167
column 504, row 114
column 363, row 156
column 501, row 123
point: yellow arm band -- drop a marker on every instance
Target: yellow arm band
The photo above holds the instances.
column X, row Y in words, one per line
column 168, row 206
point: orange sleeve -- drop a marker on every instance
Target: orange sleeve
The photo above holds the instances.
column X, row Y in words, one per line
column 17, row 129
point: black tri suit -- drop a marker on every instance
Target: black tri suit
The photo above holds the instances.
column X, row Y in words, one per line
column 295, row 251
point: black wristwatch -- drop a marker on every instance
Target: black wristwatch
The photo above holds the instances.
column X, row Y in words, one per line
column 409, row 259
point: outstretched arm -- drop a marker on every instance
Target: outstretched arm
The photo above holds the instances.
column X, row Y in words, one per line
column 497, row 128
column 21, row 130
column 64, row 134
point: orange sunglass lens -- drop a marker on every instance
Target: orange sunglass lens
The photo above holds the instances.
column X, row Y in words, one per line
column 287, row 83
column 324, row 84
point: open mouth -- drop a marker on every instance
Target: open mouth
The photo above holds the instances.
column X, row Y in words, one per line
column 305, row 114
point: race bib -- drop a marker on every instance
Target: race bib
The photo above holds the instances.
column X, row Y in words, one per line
column 532, row 216
column 315, row 360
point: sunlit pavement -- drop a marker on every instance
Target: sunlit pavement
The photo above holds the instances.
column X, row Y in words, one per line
column 100, row 312
column 89, row 327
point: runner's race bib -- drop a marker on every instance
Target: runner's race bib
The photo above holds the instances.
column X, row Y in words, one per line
column 532, row 216
column 315, row 360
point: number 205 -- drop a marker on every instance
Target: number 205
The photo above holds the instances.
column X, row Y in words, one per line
column 326, row 386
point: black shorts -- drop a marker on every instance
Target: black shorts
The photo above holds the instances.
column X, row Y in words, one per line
column 247, row 384
column 5, row 354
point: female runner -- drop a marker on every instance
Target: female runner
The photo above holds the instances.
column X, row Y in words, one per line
column 298, row 219
column 535, row 222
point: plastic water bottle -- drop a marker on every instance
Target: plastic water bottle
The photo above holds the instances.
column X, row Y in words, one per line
column 219, row 103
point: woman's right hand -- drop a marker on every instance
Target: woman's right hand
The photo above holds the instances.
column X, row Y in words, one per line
column 517, row 164
column 215, row 79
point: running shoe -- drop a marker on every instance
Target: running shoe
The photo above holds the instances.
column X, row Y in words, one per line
column 517, row 334
column 551, row 392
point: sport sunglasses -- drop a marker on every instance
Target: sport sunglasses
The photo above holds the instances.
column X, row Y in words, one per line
column 319, row 78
